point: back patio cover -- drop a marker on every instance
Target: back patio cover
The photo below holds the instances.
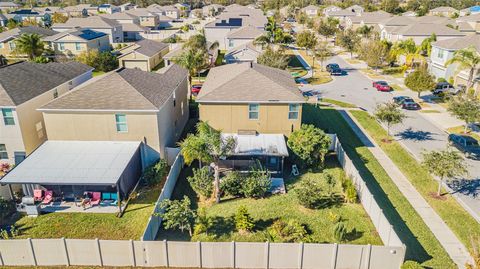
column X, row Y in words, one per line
column 75, row 163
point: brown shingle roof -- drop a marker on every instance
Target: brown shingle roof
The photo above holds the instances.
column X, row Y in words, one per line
column 249, row 82
column 245, row 32
column 459, row 43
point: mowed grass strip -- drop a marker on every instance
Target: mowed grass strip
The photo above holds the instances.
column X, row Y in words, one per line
column 455, row 216
column 422, row 246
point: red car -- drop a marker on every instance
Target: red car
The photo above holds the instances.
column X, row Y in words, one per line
column 196, row 89
column 381, row 86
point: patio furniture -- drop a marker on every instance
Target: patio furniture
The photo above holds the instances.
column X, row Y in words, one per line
column 37, row 195
column 108, row 198
column 48, row 197
column 96, row 198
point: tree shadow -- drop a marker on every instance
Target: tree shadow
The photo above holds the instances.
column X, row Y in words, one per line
column 353, row 235
column 222, row 226
column 466, row 187
column 410, row 134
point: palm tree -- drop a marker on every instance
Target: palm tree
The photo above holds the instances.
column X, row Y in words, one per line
column 469, row 59
column 30, row 44
column 409, row 49
column 192, row 60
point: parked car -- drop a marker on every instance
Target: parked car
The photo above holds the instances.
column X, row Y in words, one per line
column 196, row 89
column 466, row 144
column 474, row 126
column 336, row 72
column 411, row 105
column 332, row 66
column 381, row 86
column 310, row 93
column 444, row 88
column 400, row 99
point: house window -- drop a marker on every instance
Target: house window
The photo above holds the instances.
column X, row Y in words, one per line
column 55, row 93
column 3, row 152
column 440, row 54
column 61, row 46
column 11, row 45
column 293, row 111
column 230, row 43
column 1, row 45
column 8, row 118
column 121, row 122
column 253, row 110
column 78, row 46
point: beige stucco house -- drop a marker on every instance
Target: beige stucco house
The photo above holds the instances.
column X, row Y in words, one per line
column 7, row 38
column 76, row 41
column 145, row 55
column 24, row 87
column 124, row 105
column 146, row 18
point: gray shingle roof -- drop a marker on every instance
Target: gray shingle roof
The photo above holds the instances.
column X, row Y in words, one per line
column 426, row 29
column 150, row 47
column 90, row 22
column 23, row 81
column 459, row 43
column 28, row 29
column 123, row 89
column 245, row 32
column 249, row 82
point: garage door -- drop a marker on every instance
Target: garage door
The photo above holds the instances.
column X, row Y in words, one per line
column 136, row 64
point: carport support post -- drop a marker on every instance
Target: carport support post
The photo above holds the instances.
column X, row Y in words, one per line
column 119, row 199
column 10, row 191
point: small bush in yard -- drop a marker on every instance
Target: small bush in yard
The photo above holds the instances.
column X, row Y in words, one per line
column 201, row 182
column 309, row 144
column 350, row 194
column 6, row 208
column 243, row 221
column 257, row 184
column 340, row 231
column 155, row 173
column 334, row 217
column 203, row 223
column 309, row 193
column 231, row 184
column 288, row 231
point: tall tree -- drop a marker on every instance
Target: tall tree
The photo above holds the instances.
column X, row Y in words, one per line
column 420, row 80
column 468, row 59
column 365, row 31
column 465, row 108
column 390, row 6
column 445, row 164
column 30, row 44
column 409, row 49
column 349, row 40
column 389, row 114
column 322, row 52
column 326, row 28
column 274, row 58
column 309, row 144
column 373, row 52
column 193, row 60
column 308, row 41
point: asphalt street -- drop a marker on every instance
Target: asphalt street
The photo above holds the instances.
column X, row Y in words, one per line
column 417, row 133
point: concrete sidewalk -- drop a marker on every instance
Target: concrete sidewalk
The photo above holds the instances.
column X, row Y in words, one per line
column 455, row 249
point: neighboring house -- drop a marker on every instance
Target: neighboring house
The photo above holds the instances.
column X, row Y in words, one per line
column 242, row 35
column 184, row 9
column 258, row 105
column 144, row 55
column 311, row 10
column 22, row 15
column 169, row 11
column 470, row 11
column 72, row 42
column 212, row 10
column 472, row 21
column 371, row 19
column 108, row 8
column 122, row 17
column 8, row 6
column 443, row 11
column 7, row 38
column 244, row 53
column 24, row 87
column 133, row 32
column 127, row 6
column 124, row 105
column 356, row 8
column 330, row 8
column 341, row 15
column 96, row 23
column 443, row 51
column 409, row 14
column 196, row 13
column 147, row 18
column 419, row 32
column 177, row 49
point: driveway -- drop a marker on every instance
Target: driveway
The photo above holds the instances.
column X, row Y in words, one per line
column 417, row 133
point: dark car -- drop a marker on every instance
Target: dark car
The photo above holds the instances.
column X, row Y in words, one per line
column 332, row 66
column 309, row 93
column 409, row 104
column 444, row 88
column 381, row 86
column 336, row 72
column 399, row 99
column 466, row 144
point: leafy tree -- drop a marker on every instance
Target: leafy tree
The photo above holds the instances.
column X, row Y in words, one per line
column 409, row 49
column 308, row 41
column 420, row 80
column 390, row 6
column 301, row 18
column 106, row 62
column 195, row 148
column 309, row 193
column 309, row 144
column 203, row 223
column 426, row 46
column 274, row 58
column 465, row 108
column 322, row 52
column 193, row 60
column 232, row 184
column 201, row 182
column 11, row 24
column 468, row 59
column 326, row 28
column 29, row 44
column 373, row 52
column 257, row 183
column 177, row 214
column 30, row 22
column 349, row 40
column 155, row 173
column 243, row 221
column 365, row 31
column 288, row 231
column 88, row 57
column 41, row 60
column 445, row 164
column 390, row 114
column 59, row 18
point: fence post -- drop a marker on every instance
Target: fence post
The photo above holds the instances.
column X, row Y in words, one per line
column 300, row 255
column 200, row 262
column 233, row 254
column 369, row 253
column 380, row 212
column 167, row 262
column 34, row 259
column 389, row 234
column 1, row 260
column 334, row 256
column 267, row 254
column 99, row 251
column 132, row 252
column 67, row 258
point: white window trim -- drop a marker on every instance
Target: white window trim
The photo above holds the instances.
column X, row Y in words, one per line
column 117, row 123
column 251, row 111
column 293, row 111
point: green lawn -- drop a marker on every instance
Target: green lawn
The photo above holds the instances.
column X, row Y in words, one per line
column 97, row 73
column 422, row 246
column 338, row 103
column 461, row 129
column 459, row 220
column 295, row 67
column 282, row 206
column 87, row 225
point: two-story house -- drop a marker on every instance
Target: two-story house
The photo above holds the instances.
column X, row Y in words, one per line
column 311, row 10
column 145, row 55
column 72, row 42
column 146, row 18
column 108, row 8
column 7, row 38
column 124, row 105
column 110, row 27
column 256, row 104
column 24, row 87
column 242, row 36
column 443, row 11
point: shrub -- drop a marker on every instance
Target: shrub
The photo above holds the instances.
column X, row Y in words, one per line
column 309, row 193
column 7, row 207
column 441, row 80
column 203, row 223
column 291, row 231
column 340, row 231
column 257, row 184
column 334, row 217
column 104, row 61
column 243, row 221
column 201, row 182
column 394, row 70
column 350, row 194
column 155, row 173
column 231, row 184
column 309, row 144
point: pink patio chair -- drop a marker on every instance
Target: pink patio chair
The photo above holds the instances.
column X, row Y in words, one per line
column 37, row 195
column 48, row 197
column 96, row 198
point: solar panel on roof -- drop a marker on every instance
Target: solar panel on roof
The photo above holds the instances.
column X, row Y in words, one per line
column 230, row 22
column 89, row 34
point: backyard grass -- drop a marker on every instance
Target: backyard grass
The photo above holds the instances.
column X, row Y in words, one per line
column 220, row 57
column 460, row 221
column 461, row 129
column 429, row 111
column 97, row 73
column 319, row 76
column 338, row 103
column 295, row 67
column 282, row 206
column 422, row 246
column 88, row 225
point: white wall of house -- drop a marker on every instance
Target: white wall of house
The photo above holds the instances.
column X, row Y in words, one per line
column 437, row 66
column 11, row 137
column 231, row 43
column 218, row 34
